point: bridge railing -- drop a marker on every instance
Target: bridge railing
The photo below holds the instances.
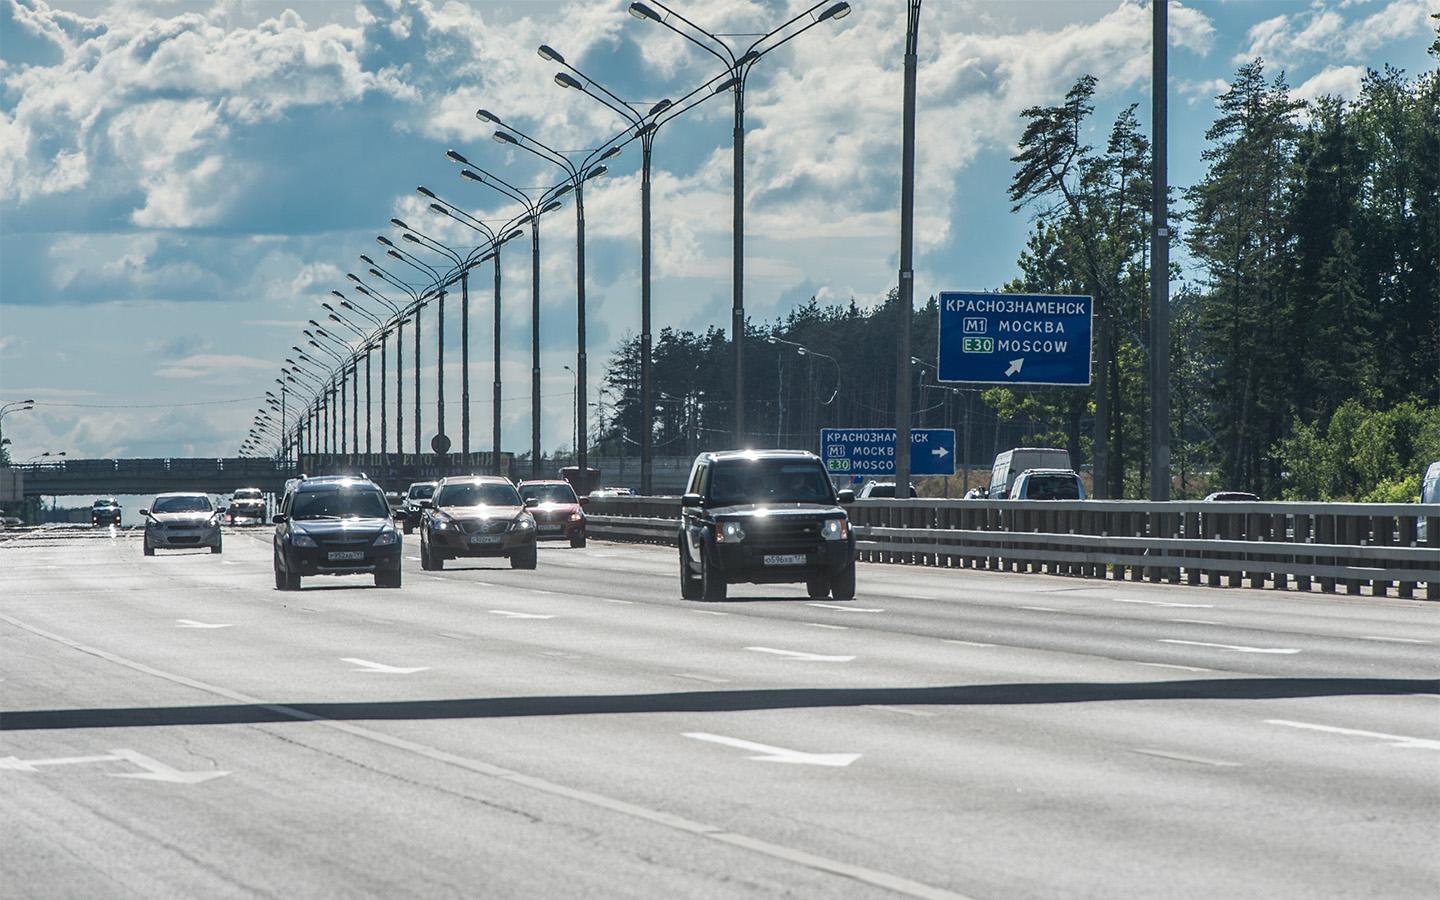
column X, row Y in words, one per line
column 1353, row 548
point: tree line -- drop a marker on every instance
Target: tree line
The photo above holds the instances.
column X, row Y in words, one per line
column 1305, row 337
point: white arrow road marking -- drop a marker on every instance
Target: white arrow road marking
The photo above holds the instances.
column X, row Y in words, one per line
column 1395, row 740
column 1231, row 647
column 15, row 764
column 799, row 656
column 940, row 452
column 777, row 754
column 158, row 771
column 518, row 615
column 1163, row 603
column 366, row 665
column 1015, row 365
column 844, row 608
column 191, row 623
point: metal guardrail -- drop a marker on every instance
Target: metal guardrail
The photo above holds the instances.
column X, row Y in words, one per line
column 1331, row 547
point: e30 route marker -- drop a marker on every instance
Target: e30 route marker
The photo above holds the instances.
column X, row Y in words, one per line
column 1014, row 338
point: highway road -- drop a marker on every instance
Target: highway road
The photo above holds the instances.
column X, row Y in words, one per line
column 175, row 727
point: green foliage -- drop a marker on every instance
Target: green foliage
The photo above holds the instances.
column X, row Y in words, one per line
column 1362, row 454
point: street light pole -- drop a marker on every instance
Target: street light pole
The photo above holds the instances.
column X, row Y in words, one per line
column 1160, row 260
column 906, row 300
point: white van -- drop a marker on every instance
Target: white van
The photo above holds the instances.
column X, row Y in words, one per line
column 1429, row 493
column 1011, row 463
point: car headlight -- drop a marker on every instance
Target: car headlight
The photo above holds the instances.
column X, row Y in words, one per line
column 729, row 532
column 524, row 523
column 440, row 522
column 386, row 538
column 835, row 529
column 301, row 539
column 577, row 516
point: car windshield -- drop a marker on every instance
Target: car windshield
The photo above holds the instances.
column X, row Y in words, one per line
column 340, row 504
column 247, row 495
column 548, row 493
column 188, row 503
column 768, row 481
column 106, row 503
column 1053, row 487
column 486, row 494
column 421, row 491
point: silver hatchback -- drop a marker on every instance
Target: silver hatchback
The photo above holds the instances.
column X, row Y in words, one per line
column 178, row 521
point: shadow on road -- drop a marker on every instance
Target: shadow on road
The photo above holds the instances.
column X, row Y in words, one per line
column 718, row 701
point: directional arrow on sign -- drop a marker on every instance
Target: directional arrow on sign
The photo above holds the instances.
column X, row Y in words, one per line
column 1015, row 365
column 940, row 452
column 800, row 656
column 158, row 771
column 191, row 623
column 777, row 754
column 366, row 665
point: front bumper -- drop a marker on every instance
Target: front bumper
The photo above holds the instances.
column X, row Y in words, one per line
column 177, row 538
column 309, row 561
column 454, row 542
column 746, row 561
column 246, row 512
column 559, row 529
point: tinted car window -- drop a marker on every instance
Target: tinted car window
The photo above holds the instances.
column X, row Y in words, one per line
column 493, row 494
column 339, row 504
column 181, row 504
column 247, row 495
column 1052, row 487
column 421, row 491
column 768, row 481
column 548, row 493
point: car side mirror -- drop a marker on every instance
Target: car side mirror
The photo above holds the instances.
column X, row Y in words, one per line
column 845, row 496
column 220, row 509
column 279, row 518
column 583, row 501
column 692, row 500
column 532, row 502
column 426, row 503
column 144, row 512
column 397, row 513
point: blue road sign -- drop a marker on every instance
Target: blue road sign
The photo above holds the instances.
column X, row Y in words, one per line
column 1014, row 338
column 871, row 451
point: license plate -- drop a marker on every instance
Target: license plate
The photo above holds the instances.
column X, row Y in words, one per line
column 486, row 538
column 549, row 527
column 340, row 555
column 785, row 559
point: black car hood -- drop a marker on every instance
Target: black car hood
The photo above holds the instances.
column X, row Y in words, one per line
column 777, row 510
column 331, row 528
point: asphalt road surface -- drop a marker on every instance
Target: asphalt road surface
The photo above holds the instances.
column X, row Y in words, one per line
column 175, row 727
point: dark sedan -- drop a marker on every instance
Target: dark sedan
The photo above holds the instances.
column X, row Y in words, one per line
column 335, row 526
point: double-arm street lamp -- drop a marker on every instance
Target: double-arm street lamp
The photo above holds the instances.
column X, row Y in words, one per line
column 738, row 67
column 418, row 301
column 802, row 350
column 13, row 407
column 591, row 166
column 534, row 209
column 399, row 318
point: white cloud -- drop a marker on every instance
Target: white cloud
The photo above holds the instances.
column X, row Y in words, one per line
column 1335, row 81
column 1322, row 31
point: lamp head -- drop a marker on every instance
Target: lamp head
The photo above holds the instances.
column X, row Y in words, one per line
column 726, row 85
column 486, row 115
column 564, row 189
column 399, row 224
column 566, row 80
column 382, row 239
column 660, row 107
column 367, row 260
column 454, row 156
column 552, row 205
column 610, row 154
column 512, row 235
column 423, row 191
column 437, row 208
column 338, row 294
column 407, row 236
column 394, row 254
column 596, row 172
column 549, row 54
column 838, row 11
column 641, row 11
column 328, row 306
column 503, row 137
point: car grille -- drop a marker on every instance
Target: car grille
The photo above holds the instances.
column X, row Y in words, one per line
column 485, row 526
column 343, row 543
column 185, row 539
column 552, row 517
column 781, row 536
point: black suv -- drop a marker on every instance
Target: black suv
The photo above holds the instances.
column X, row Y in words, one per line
column 764, row 516
column 105, row 511
column 335, row 526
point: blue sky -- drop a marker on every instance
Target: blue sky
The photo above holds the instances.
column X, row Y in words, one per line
column 183, row 181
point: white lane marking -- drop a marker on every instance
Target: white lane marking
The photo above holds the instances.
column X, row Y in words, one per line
column 801, row 656
column 1196, row 621
column 365, row 665
column 15, row 764
column 452, row 635
column 706, row 678
column 382, row 621
column 229, row 562
column 158, row 771
column 966, row 643
column 1234, row 647
column 708, row 612
column 1394, row 740
column 831, row 627
column 1183, row 757
column 777, row 754
column 416, row 558
column 902, row 711
column 613, row 600
column 517, row 615
column 191, row 623
column 704, row 830
column 859, row 609
column 1163, row 603
column 1170, row 666
column 538, row 591
column 1041, row 608
column 1390, row 640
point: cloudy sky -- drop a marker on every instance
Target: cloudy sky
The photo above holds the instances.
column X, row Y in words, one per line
column 183, row 181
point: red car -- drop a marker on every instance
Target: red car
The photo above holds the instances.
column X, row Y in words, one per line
column 558, row 515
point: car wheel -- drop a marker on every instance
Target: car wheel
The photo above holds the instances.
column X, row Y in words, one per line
column 149, row 550
column 280, row 581
column 712, row 580
column 578, row 541
column 425, row 562
column 842, row 586
column 387, row 579
column 215, row 548
column 818, row 587
column 523, row 558
column 407, row 526
column 689, row 584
